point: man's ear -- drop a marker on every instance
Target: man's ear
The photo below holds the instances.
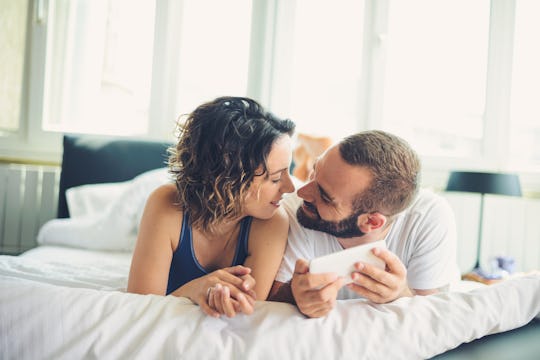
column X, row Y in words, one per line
column 372, row 221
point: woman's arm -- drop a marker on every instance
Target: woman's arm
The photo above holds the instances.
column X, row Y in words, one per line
column 158, row 238
column 160, row 224
column 267, row 242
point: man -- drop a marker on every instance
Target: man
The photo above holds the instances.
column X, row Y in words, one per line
column 364, row 189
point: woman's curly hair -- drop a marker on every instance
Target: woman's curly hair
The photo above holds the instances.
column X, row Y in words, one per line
column 221, row 146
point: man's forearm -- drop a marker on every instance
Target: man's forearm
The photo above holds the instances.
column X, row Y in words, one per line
column 281, row 292
column 445, row 288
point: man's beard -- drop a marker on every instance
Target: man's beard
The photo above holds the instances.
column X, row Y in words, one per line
column 346, row 228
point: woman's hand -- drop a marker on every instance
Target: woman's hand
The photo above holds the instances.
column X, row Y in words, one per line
column 226, row 291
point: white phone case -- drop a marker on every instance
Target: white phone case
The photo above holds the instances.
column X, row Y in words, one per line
column 342, row 262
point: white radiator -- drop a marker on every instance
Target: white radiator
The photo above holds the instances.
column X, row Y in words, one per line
column 28, row 198
column 511, row 227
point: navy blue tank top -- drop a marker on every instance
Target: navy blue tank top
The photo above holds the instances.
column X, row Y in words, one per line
column 184, row 265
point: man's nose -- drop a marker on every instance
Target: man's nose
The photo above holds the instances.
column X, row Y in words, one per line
column 306, row 192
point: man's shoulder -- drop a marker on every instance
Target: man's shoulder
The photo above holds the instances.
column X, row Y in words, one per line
column 427, row 207
column 425, row 201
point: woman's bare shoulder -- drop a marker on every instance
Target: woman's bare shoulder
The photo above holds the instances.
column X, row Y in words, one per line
column 162, row 217
column 165, row 193
column 164, row 199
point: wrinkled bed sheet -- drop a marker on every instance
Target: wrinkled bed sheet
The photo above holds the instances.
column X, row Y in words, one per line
column 53, row 310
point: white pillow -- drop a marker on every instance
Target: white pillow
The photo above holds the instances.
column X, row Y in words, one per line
column 94, row 198
column 112, row 227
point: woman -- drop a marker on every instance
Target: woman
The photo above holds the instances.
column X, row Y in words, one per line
column 218, row 234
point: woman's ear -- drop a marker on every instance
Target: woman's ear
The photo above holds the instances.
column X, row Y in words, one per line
column 372, row 221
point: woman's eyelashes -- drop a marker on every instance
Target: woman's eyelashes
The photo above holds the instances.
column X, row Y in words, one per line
column 281, row 174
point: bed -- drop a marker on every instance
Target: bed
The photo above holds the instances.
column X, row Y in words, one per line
column 66, row 299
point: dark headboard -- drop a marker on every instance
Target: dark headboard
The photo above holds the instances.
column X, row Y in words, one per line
column 93, row 160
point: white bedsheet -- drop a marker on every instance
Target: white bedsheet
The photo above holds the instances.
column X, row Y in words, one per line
column 70, row 267
column 58, row 313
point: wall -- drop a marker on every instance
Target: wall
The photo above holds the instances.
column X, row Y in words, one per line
column 511, row 227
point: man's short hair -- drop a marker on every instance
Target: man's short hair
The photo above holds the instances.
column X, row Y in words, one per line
column 395, row 168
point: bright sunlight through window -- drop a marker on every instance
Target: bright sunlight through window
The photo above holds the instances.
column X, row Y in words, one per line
column 525, row 113
column 434, row 92
column 99, row 66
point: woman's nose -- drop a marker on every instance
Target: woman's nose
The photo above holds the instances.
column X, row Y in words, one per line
column 288, row 186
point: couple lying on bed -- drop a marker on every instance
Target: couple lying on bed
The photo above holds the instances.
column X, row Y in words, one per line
column 229, row 231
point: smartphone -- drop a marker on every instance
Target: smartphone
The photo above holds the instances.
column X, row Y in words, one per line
column 342, row 262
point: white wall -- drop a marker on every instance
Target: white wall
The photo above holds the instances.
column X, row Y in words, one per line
column 511, row 227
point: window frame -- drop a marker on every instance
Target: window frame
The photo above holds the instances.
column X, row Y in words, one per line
column 270, row 21
column 29, row 142
column 496, row 118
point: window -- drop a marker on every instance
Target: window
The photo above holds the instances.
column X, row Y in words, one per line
column 98, row 66
column 458, row 79
column 214, row 47
column 13, row 20
column 525, row 95
column 434, row 93
column 320, row 83
column 99, row 61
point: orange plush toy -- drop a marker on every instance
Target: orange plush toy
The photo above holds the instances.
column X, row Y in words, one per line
column 307, row 150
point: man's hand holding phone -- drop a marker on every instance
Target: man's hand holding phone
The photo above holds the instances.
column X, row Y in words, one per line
column 315, row 285
column 381, row 285
column 315, row 294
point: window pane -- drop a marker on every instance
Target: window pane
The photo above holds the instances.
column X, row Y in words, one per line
column 214, row 51
column 323, row 88
column 436, row 74
column 525, row 112
column 13, row 19
column 99, row 63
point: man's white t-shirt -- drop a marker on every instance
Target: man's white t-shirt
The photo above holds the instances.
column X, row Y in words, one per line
column 423, row 236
